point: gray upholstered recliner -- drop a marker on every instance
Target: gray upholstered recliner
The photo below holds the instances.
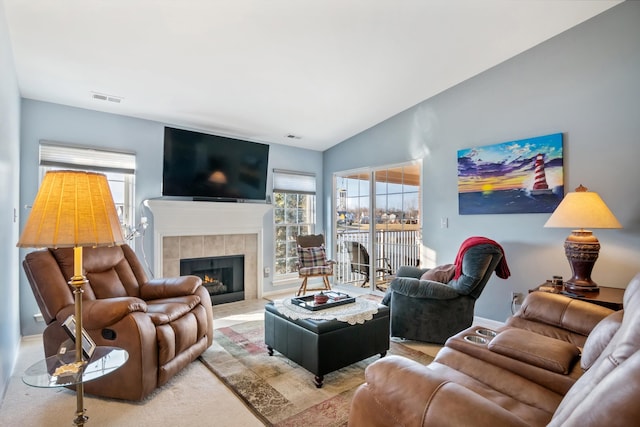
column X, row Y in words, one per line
column 430, row 311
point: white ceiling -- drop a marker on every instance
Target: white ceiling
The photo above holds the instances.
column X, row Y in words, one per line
column 322, row 70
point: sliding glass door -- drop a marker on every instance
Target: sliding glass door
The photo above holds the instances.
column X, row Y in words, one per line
column 377, row 224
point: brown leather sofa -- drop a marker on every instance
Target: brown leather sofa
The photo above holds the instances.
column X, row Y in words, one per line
column 164, row 324
column 557, row 362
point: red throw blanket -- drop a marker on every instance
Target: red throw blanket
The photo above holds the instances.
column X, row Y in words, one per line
column 502, row 269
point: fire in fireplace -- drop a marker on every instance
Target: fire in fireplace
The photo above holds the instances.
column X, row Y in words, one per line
column 223, row 276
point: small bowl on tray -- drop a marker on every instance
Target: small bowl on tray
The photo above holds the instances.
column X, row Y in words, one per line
column 320, row 298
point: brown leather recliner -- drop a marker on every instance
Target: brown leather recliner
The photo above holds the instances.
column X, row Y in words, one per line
column 164, row 324
column 557, row 362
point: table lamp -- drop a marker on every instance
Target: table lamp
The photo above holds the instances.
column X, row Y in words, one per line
column 73, row 209
column 579, row 210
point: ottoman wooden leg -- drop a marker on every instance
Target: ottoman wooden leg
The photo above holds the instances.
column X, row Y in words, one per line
column 318, row 380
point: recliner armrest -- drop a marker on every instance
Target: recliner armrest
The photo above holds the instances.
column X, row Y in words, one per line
column 100, row 313
column 409, row 391
column 422, row 288
column 410, row 271
column 169, row 287
column 535, row 349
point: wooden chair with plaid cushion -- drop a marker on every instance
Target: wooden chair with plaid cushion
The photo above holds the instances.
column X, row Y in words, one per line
column 313, row 262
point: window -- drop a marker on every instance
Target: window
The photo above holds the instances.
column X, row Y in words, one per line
column 294, row 213
column 119, row 168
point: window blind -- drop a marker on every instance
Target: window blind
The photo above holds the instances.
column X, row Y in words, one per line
column 69, row 156
column 294, row 182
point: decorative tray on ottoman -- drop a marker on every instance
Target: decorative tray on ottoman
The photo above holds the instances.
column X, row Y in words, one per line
column 335, row 299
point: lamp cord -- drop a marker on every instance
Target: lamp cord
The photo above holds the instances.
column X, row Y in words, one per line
column 144, row 255
column 143, row 226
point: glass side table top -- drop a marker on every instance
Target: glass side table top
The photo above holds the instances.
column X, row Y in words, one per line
column 104, row 361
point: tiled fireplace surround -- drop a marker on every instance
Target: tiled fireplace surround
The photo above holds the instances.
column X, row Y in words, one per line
column 185, row 229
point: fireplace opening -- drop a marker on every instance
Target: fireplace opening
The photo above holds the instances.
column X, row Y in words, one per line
column 223, row 276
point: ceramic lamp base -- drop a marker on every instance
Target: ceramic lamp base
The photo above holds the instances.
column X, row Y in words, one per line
column 582, row 249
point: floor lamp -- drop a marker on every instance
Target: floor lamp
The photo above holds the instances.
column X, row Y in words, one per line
column 73, row 209
column 579, row 210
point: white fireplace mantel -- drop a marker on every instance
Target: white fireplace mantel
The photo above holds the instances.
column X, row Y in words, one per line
column 190, row 218
column 178, row 217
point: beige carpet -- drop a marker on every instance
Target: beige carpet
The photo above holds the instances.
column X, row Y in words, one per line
column 195, row 397
column 279, row 391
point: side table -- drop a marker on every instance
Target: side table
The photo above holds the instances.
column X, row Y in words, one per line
column 607, row 297
column 103, row 361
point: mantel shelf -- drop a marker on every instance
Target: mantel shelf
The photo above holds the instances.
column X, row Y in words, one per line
column 186, row 217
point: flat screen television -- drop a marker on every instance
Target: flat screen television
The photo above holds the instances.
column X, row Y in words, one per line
column 211, row 167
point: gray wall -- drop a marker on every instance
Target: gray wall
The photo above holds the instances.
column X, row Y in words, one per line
column 9, row 171
column 41, row 120
column 584, row 83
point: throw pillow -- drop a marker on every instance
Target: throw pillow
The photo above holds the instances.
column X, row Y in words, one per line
column 442, row 273
column 312, row 257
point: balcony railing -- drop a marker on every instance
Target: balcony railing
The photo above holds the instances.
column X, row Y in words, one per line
column 397, row 247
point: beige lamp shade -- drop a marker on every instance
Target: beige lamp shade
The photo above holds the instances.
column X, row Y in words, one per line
column 72, row 209
column 582, row 209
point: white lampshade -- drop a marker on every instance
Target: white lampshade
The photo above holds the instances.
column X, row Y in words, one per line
column 582, row 209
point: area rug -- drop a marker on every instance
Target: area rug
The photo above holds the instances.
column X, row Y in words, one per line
column 279, row 391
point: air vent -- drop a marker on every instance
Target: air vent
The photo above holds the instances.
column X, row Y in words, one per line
column 103, row 97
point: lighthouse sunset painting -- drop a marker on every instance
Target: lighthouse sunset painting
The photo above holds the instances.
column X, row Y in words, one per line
column 524, row 176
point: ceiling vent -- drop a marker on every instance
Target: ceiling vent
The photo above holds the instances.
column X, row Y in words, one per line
column 104, row 97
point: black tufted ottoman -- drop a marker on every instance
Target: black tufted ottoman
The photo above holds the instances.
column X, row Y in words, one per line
column 323, row 346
